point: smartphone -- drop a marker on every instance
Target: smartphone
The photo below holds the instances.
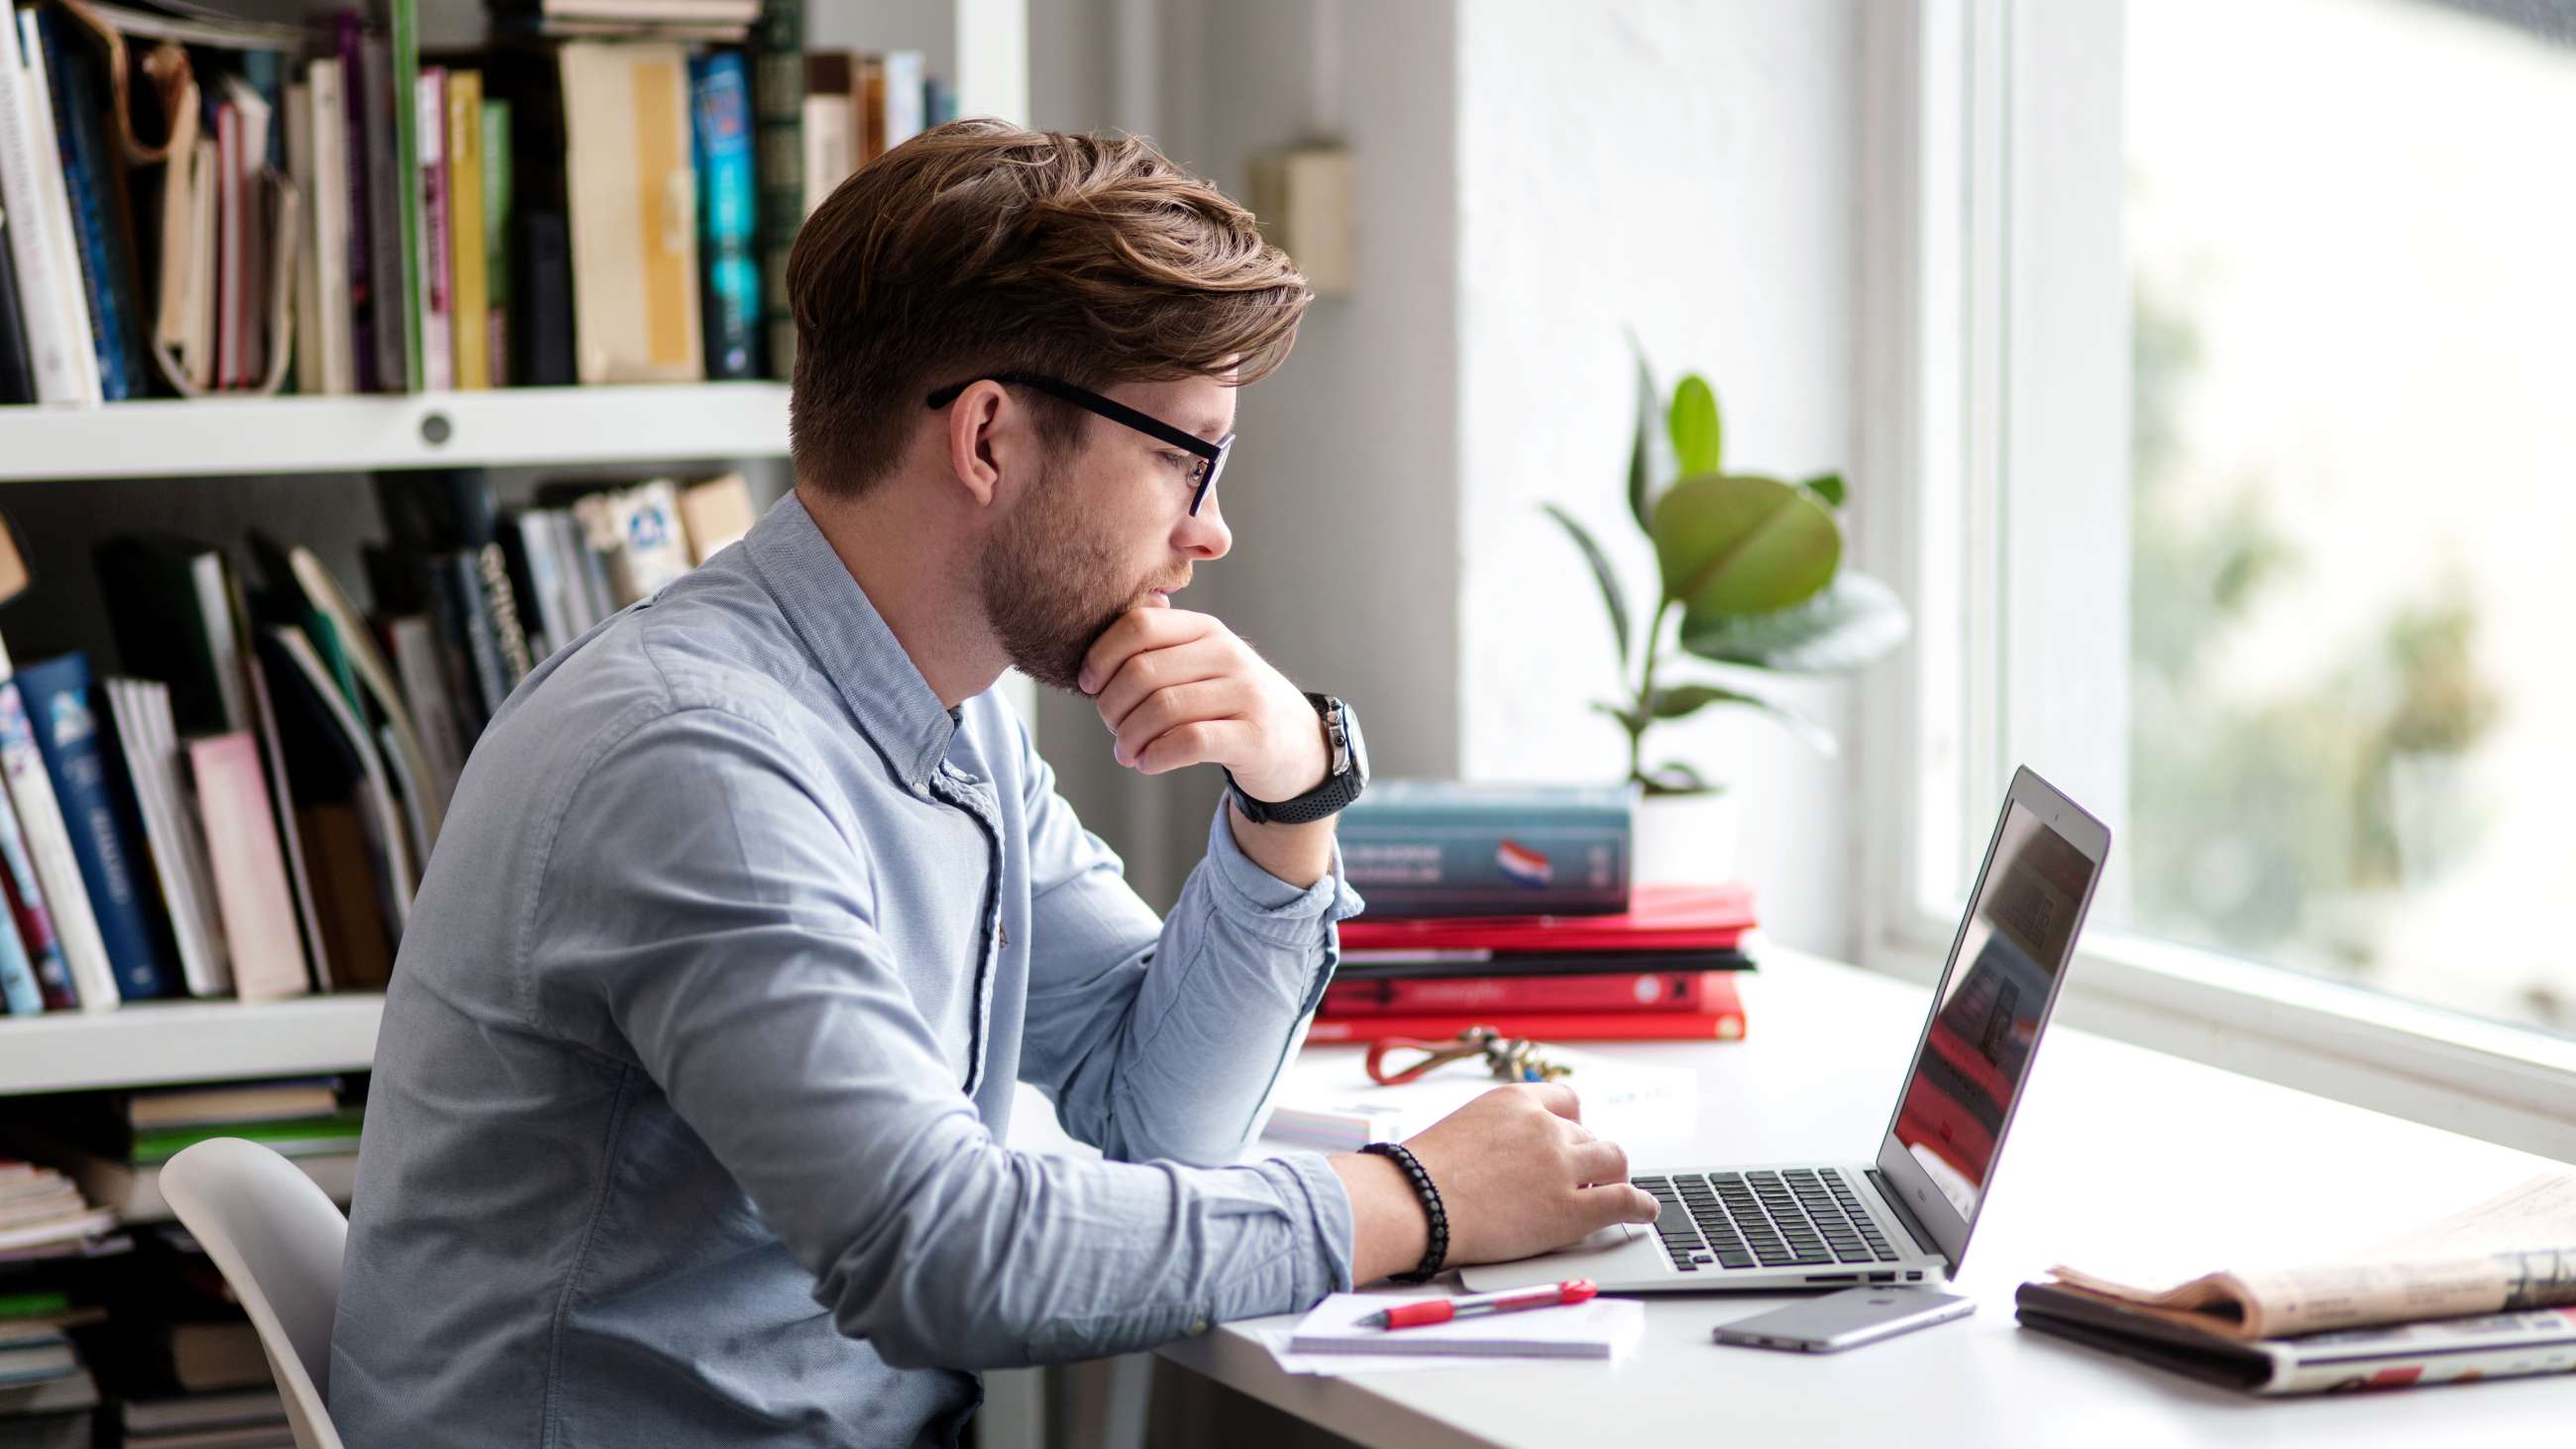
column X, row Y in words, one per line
column 1837, row 1321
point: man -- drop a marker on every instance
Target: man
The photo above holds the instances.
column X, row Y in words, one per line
column 687, row 1119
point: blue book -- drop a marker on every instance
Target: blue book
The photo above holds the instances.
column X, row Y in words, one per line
column 94, row 180
column 1427, row 848
column 728, row 200
column 104, row 836
column 17, row 975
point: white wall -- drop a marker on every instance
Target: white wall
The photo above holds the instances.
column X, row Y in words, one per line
column 1532, row 176
column 1688, row 169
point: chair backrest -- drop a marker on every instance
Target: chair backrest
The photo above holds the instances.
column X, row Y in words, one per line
column 277, row 1239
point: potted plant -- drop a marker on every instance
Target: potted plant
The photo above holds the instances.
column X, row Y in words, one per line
column 1749, row 582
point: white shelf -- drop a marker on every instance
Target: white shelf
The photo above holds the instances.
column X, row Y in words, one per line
column 533, row 426
column 149, row 1043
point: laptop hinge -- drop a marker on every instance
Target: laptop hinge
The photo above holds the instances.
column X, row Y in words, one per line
column 1896, row 1204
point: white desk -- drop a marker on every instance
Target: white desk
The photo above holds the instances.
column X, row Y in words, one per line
column 2122, row 1160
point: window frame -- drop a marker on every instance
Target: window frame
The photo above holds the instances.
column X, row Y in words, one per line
column 1969, row 297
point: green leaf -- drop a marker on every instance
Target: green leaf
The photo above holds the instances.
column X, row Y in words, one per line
column 1628, row 719
column 1742, row 545
column 1673, row 777
column 1827, row 487
column 1698, row 435
column 1850, row 624
column 1650, row 460
column 1601, row 574
column 1685, row 699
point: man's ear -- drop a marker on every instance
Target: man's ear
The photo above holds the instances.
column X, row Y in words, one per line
column 986, row 438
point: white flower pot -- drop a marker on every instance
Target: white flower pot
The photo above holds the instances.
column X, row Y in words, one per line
column 1686, row 839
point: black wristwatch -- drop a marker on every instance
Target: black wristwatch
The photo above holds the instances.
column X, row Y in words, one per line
column 1345, row 775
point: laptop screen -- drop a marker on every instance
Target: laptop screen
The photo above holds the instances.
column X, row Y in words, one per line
column 2018, row 935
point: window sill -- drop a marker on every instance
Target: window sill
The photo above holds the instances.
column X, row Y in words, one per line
column 2505, row 1084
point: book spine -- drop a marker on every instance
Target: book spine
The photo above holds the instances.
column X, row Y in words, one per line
column 469, row 298
column 778, row 112
column 456, row 587
column 354, row 154
column 330, row 211
column 17, row 364
column 308, row 373
column 230, row 369
column 434, row 267
column 499, row 196
column 252, row 894
column 58, row 338
column 1684, row 991
column 65, row 719
column 388, row 203
column 34, row 926
column 49, row 850
column 90, row 167
column 1540, row 1025
column 19, row 992
column 403, row 57
column 721, row 140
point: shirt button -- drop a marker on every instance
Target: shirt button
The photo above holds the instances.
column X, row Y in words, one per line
column 1199, row 1326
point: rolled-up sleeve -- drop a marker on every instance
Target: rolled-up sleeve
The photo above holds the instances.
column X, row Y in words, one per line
column 716, row 916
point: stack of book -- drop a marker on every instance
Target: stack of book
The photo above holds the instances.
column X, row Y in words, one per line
column 47, row 1396
column 115, row 1146
column 323, row 207
column 1509, row 906
column 1662, row 970
column 177, row 1360
column 44, row 1215
column 247, row 807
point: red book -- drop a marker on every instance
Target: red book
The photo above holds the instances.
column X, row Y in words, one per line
column 1600, row 991
column 1658, row 918
column 1715, row 1022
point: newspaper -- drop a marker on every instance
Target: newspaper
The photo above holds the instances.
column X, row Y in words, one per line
column 2511, row 1254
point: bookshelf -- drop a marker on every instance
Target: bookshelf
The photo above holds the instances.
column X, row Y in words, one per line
column 147, row 1043
column 532, row 427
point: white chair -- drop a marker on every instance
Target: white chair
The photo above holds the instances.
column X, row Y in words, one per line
column 277, row 1239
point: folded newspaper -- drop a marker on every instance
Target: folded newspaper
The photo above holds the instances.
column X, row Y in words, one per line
column 2483, row 1293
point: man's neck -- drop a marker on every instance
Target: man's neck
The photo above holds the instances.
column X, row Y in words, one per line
column 919, row 582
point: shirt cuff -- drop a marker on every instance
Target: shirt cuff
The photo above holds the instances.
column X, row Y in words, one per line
column 1282, row 910
column 1329, row 1203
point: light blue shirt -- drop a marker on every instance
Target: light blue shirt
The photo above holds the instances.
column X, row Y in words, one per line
column 688, row 1111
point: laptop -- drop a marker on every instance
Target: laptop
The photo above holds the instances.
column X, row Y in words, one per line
column 1905, row 1216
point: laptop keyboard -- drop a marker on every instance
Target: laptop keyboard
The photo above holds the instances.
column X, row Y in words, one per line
column 1798, row 1217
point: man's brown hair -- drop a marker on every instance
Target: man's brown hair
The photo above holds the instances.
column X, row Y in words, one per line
column 981, row 247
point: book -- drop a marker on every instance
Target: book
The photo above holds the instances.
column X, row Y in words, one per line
column 1324, row 1101
column 254, row 897
column 357, row 152
column 1598, row 1328
column 430, row 244
column 308, row 275
column 17, row 366
column 329, row 202
column 500, row 287
column 61, row 352
column 633, row 210
column 146, row 745
column 34, row 924
column 232, row 1102
column 469, row 287
column 1687, row 991
column 277, row 795
column 380, row 132
column 1657, row 918
column 105, row 837
column 1537, row 1025
column 169, row 607
column 830, row 129
column 721, row 141
column 19, row 992
column 49, row 851
column 378, row 699
column 1418, row 848
column 422, row 671
column 357, row 850
column 73, row 77
column 778, row 125
column 195, row 357
column 900, row 100
column 715, row 513
column 652, row 547
column 402, row 83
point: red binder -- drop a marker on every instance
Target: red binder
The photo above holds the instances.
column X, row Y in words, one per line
column 1658, row 918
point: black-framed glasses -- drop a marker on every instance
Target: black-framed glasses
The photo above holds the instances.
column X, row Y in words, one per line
column 1211, row 456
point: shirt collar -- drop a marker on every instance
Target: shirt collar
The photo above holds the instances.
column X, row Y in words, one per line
column 849, row 641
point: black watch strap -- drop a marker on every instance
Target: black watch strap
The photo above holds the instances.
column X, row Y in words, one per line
column 1344, row 777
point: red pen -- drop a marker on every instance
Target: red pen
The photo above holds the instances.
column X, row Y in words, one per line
column 1441, row 1310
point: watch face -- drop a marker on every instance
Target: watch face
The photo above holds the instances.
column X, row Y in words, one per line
column 1359, row 749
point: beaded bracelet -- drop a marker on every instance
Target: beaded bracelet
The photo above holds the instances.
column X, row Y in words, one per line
column 1437, row 1255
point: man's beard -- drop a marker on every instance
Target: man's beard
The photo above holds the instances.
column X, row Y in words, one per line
column 1051, row 587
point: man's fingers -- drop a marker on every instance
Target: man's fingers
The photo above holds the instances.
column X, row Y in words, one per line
column 1600, row 1162
column 1137, row 630
column 1144, row 674
column 1641, row 1206
column 1194, row 743
column 1559, row 1098
column 1172, row 706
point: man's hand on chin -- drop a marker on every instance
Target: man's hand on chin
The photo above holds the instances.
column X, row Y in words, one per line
column 1178, row 688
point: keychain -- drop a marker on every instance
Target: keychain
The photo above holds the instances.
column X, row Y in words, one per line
column 1510, row 1059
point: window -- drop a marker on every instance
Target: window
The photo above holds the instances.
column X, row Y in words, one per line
column 2239, row 408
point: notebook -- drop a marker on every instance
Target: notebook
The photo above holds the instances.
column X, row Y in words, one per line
column 1602, row 1328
